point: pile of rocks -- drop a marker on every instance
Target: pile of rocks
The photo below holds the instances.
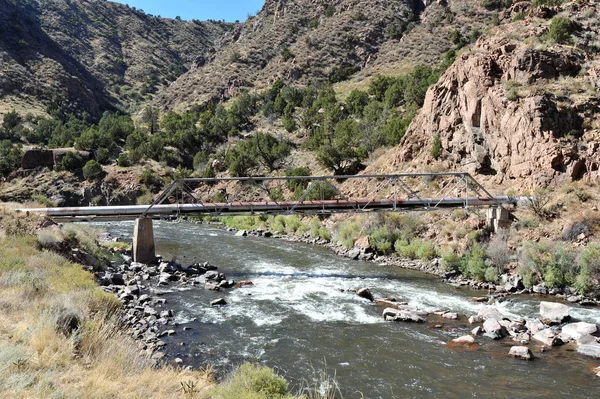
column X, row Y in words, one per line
column 512, row 284
column 144, row 314
column 550, row 329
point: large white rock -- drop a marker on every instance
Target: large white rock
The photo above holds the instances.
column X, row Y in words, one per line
column 490, row 313
column 577, row 331
column 592, row 350
column 548, row 337
column 494, row 329
column 553, row 313
column 521, row 352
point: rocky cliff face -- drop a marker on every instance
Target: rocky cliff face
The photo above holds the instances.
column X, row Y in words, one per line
column 513, row 110
column 91, row 54
column 295, row 40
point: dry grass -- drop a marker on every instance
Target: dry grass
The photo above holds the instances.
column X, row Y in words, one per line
column 40, row 359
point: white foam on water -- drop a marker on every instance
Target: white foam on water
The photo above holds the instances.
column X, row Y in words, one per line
column 589, row 315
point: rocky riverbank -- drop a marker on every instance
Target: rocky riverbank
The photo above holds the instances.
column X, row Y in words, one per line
column 139, row 287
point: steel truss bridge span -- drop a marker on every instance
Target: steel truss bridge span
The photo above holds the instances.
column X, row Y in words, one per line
column 320, row 195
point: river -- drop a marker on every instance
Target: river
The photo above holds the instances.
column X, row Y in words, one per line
column 300, row 319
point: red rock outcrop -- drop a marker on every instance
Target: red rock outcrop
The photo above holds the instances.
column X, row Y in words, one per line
column 495, row 116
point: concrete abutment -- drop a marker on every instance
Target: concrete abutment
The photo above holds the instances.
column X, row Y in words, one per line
column 498, row 218
column 143, row 241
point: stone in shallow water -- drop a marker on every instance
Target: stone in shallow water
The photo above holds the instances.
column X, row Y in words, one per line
column 450, row 315
column 521, row 352
column 548, row 337
column 365, row 293
column 218, row 302
column 391, row 314
column 465, row 339
column 576, row 331
column 553, row 313
column 490, row 313
column 592, row 350
column 494, row 329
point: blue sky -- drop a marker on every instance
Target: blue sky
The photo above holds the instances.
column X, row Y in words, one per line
column 229, row 10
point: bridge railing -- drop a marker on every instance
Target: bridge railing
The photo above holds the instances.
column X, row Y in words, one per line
column 327, row 194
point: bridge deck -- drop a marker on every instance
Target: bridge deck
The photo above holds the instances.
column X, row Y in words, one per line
column 270, row 207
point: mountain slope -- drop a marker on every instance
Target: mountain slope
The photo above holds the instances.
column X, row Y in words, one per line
column 297, row 41
column 91, row 55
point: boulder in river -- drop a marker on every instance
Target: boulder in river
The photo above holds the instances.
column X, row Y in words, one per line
column 480, row 299
column 365, row 293
column 549, row 337
column 241, row 233
column 494, row 329
column 465, row 339
column 490, row 313
column 553, row 313
column 391, row 314
column 242, row 284
column 592, row 350
column 521, row 352
column 577, row 331
column 450, row 315
column 218, row 302
column 535, row 325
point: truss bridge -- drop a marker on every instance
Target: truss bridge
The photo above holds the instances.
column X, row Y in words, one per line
column 317, row 195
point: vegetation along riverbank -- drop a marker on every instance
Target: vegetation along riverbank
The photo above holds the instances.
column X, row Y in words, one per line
column 62, row 331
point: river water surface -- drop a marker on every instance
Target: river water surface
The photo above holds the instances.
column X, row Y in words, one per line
column 300, row 319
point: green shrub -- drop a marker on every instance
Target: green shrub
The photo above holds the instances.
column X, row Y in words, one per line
column 426, row 251
column 317, row 229
column 346, row 234
column 450, row 261
column 123, row 161
column 550, row 3
column 404, row 248
column 520, row 17
column 10, row 157
column 559, row 30
column 383, row 239
column 356, row 102
column 72, row 162
column 491, row 274
column 436, row 148
column 252, row 382
column 494, row 4
column 553, row 263
column 589, row 269
column 92, row 169
column 286, row 54
column 473, row 264
column 289, row 124
column 43, row 200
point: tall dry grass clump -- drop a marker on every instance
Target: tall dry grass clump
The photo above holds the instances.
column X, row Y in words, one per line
column 59, row 331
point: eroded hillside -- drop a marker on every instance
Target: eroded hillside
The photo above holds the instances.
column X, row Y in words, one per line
column 91, row 55
column 297, row 41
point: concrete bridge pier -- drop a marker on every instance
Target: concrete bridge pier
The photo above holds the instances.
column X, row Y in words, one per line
column 498, row 218
column 143, row 241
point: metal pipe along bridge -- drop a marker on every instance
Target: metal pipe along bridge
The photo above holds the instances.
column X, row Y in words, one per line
column 317, row 195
